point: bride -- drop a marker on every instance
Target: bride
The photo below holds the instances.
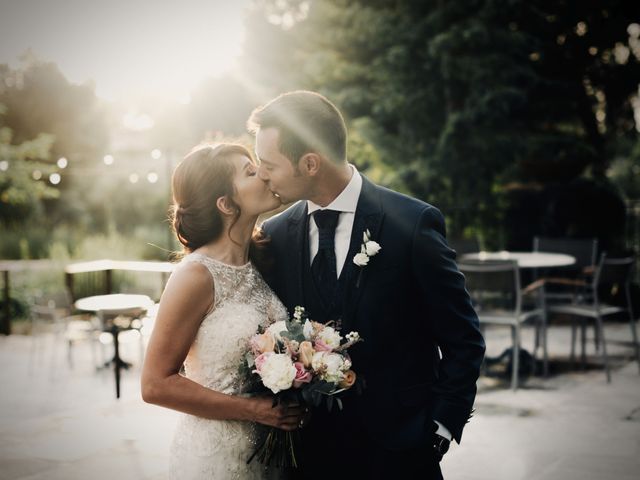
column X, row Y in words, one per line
column 213, row 303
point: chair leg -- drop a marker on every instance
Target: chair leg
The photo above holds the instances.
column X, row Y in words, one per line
column 536, row 344
column 70, row 353
column 545, row 351
column 583, row 344
column 515, row 364
column 572, row 355
column 93, row 346
column 632, row 325
column 603, row 346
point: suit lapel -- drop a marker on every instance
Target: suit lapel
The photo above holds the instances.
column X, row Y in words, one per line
column 368, row 216
column 297, row 228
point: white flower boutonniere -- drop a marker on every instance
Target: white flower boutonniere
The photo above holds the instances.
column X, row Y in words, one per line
column 368, row 249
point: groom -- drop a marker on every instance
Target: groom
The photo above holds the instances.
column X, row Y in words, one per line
column 422, row 348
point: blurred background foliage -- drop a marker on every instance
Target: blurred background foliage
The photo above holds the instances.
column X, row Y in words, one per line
column 516, row 118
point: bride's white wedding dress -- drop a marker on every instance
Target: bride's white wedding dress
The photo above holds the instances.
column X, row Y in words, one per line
column 219, row 449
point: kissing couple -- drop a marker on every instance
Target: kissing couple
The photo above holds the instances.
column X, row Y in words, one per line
column 422, row 347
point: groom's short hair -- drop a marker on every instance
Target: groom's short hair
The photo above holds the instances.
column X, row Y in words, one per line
column 307, row 122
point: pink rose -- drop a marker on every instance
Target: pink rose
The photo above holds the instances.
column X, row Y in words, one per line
column 302, row 375
column 320, row 346
column 260, row 359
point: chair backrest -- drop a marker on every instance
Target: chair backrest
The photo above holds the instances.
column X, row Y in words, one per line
column 585, row 250
column 613, row 271
column 465, row 245
column 60, row 301
column 43, row 313
column 493, row 284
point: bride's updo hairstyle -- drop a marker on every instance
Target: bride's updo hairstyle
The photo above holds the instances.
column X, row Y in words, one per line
column 202, row 177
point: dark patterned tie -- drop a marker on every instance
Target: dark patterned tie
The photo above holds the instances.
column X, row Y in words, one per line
column 323, row 267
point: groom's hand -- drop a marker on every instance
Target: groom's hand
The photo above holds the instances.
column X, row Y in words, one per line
column 285, row 417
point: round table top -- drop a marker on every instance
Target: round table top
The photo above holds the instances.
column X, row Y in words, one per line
column 117, row 302
column 525, row 259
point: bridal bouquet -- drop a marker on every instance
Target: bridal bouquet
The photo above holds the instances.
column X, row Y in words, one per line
column 299, row 361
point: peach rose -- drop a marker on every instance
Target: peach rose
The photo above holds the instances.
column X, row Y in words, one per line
column 348, row 380
column 262, row 343
column 305, row 353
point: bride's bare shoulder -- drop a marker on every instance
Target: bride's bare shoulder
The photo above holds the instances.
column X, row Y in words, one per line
column 192, row 278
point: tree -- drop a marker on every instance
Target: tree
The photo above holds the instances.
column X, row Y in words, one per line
column 23, row 176
column 474, row 102
column 39, row 99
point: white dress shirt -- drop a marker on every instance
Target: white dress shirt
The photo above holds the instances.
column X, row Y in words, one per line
column 345, row 203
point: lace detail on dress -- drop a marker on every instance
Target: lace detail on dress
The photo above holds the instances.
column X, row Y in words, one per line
column 215, row 449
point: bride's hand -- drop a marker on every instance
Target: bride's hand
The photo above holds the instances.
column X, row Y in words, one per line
column 285, row 417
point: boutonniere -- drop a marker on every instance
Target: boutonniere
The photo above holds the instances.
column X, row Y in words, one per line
column 368, row 249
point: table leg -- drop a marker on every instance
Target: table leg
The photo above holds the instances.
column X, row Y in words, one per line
column 5, row 324
column 116, row 359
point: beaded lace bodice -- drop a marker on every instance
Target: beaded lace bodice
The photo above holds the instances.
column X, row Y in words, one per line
column 242, row 302
column 214, row 449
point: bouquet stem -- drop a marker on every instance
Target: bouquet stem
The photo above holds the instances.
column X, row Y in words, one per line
column 277, row 449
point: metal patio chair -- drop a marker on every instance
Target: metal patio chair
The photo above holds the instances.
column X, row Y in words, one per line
column 494, row 286
column 613, row 273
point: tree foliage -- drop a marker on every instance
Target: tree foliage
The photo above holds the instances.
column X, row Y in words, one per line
column 39, row 99
column 470, row 103
column 50, row 118
column 20, row 193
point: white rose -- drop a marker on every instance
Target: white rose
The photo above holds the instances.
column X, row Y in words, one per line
column 361, row 259
column 307, row 329
column 330, row 337
column 276, row 328
column 372, row 248
column 277, row 372
column 335, row 367
column 317, row 361
column 331, row 365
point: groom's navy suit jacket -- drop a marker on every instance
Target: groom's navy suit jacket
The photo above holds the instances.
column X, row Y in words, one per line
column 408, row 303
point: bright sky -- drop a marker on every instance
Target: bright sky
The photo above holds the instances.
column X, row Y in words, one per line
column 128, row 48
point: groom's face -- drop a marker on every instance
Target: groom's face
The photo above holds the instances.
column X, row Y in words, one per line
column 276, row 170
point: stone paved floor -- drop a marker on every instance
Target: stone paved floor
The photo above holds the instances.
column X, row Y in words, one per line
column 58, row 422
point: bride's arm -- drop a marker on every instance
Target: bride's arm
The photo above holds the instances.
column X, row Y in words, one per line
column 187, row 298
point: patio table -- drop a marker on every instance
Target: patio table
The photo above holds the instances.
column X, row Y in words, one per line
column 527, row 260
column 108, row 308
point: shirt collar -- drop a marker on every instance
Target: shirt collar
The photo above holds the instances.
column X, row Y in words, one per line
column 347, row 201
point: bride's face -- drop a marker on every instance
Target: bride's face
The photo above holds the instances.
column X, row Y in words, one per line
column 252, row 195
